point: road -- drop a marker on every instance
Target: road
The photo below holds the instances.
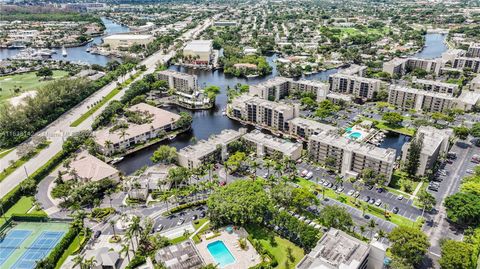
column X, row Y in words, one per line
column 60, row 129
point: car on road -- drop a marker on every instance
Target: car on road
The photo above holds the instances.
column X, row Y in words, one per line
column 469, row 171
column 350, row 192
column 194, row 217
column 400, row 197
column 180, row 221
column 97, row 234
column 202, row 214
column 372, row 201
column 159, row 228
column 378, row 202
column 395, row 210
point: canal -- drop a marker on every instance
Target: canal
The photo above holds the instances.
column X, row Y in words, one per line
column 206, row 123
column 80, row 54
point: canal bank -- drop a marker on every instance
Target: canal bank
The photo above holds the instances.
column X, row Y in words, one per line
column 209, row 122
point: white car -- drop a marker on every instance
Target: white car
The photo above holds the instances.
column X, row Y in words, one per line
column 356, row 194
column 350, row 192
column 309, row 175
column 304, row 173
column 469, row 171
column 378, row 202
column 400, row 197
column 159, row 228
column 180, row 222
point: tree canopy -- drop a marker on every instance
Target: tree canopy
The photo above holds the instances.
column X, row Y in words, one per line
column 463, row 208
column 456, row 255
column 164, row 154
column 408, row 244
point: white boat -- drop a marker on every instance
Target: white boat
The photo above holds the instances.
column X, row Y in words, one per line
column 171, row 137
column 64, row 52
column 116, row 160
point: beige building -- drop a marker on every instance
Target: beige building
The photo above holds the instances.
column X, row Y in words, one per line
column 350, row 158
column 410, row 98
column 474, row 50
column 361, row 87
column 161, row 123
column 434, row 86
column 339, row 250
column 263, row 113
column 214, row 149
column 467, row 62
column 267, row 145
column 399, row 66
column 182, row 82
column 89, row 168
column 354, row 70
column 475, row 84
column 126, row 41
column 199, row 51
column 435, row 143
column 304, row 128
column 280, row 87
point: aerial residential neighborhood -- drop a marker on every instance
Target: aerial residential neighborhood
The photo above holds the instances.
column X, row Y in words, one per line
column 308, row 134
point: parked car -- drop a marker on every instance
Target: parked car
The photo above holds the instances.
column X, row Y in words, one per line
column 330, row 185
column 340, row 189
column 194, row 217
column 180, row 221
column 356, row 194
column 378, row 202
column 309, row 175
column 304, row 173
column 400, row 197
column 372, row 201
column 159, row 228
column 350, row 192
column 97, row 234
column 366, row 199
column 202, row 214
column 469, row 171
column 395, row 210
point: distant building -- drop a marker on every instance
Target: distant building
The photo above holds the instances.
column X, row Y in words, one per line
column 338, row 98
column 161, row 123
column 304, row 128
column 267, row 145
column 434, row 86
column 475, row 84
column 354, row 70
column 435, row 142
column 263, row 113
column 126, row 41
column 225, row 23
column 399, row 66
column 350, row 157
column 179, row 81
column 280, row 87
column 474, row 50
column 338, row 250
column 88, row 168
column 361, row 87
column 199, row 52
column 214, row 149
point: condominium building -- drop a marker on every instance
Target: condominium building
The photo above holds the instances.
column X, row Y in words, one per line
column 338, row 98
column 434, row 86
column 475, row 84
column 199, row 51
column 339, row 250
column 467, row 62
column 354, row 70
column 350, row 158
column 435, row 142
column 181, row 82
column 261, row 112
column 399, row 66
column 126, row 41
column 207, row 151
column 304, row 128
column 161, row 122
column 473, row 50
column 451, row 54
column 410, row 98
column 267, row 145
column 354, row 85
column 279, row 87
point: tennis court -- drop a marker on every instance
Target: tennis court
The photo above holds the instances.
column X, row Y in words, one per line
column 28, row 242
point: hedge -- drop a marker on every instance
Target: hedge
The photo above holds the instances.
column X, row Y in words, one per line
column 184, row 206
column 35, row 217
column 136, row 261
column 56, row 254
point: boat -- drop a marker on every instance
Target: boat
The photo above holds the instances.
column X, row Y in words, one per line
column 172, row 136
column 64, row 52
column 116, row 160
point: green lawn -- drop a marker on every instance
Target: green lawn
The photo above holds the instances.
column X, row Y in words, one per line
column 399, row 179
column 14, row 166
column 72, row 249
column 4, row 153
column 104, row 100
column 25, row 81
column 382, row 125
column 279, row 247
column 343, row 198
column 21, row 207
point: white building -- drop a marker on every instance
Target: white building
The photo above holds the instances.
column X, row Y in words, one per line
column 126, row 41
column 361, row 87
column 199, row 51
column 350, row 158
column 354, row 70
column 279, row 87
column 399, row 66
column 179, row 81
column 304, row 128
column 338, row 250
column 434, row 86
column 435, row 142
column 267, row 145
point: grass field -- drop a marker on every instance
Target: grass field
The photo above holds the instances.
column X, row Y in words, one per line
column 400, row 178
column 279, row 247
column 379, row 124
column 25, row 81
column 21, row 207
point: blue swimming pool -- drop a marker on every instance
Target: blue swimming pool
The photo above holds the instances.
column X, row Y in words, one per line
column 220, row 253
column 355, row 135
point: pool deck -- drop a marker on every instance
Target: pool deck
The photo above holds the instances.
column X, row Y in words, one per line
column 36, row 228
column 243, row 258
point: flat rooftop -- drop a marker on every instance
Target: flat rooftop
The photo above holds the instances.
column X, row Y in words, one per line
column 245, row 98
column 205, row 147
column 127, row 37
column 176, row 74
column 278, row 144
column 311, row 124
column 421, row 92
column 336, row 249
column 199, row 45
column 433, row 138
column 356, row 78
column 435, row 82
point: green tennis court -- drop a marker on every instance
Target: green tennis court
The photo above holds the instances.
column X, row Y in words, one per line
column 28, row 242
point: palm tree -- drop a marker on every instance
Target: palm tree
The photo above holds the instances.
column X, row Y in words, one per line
column 126, row 249
column 372, row 224
column 108, row 144
column 90, row 263
column 364, row 207
column 112, row 224
column 268, row 164
column 78, row 260
column 134, row 228
column 254, row 164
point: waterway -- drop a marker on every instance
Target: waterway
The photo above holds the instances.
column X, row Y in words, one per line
column 434, row 46
column 80, row 54
column 206, row 123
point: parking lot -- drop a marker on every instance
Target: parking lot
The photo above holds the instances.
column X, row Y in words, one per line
column 163, row 223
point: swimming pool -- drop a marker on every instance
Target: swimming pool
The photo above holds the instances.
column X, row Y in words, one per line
column 355, row 135
column 220, row 253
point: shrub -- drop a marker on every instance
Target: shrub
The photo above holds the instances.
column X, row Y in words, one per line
column 136, row 261
column 184, row 206
column 52, row 259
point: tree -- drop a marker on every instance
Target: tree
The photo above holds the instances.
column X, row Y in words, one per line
column 336, row 217
column 326, row 108
column 426, row 200
column 178, row 175
column 413, row 156
column 461, row 132
column 475, row 130
column 185, row 120
column 392, row 118
column 212, row 92
column 463, row 208
column 240, row 202
column 164, row 154
column 456, row 255
column 408, row 244
column 236, row 161
column 44, row 72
